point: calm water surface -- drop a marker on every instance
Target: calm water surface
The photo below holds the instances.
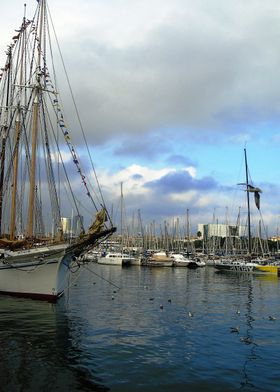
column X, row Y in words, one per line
column 141, row 337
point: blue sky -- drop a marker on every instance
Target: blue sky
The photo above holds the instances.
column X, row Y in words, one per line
column 170, row 93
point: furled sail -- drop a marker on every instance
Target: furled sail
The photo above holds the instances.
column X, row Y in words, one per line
column 98, row 225
column 255, row 190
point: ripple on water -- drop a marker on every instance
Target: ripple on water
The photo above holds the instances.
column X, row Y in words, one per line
column 164, row 329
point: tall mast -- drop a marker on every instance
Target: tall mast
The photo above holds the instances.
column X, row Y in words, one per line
column 188, row 232
column 122, row 239
column 16, row 139
column 35, row 122
column 4, row 132
column 142, row 230
column 248, row 204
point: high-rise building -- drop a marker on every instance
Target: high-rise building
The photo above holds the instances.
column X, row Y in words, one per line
column 66, row 225
column 77, row 224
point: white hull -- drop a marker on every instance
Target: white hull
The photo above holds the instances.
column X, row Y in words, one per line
column 180, row 263
column 157, row 263
column 179, row 260
column 39, row 273
column 112, row 261
column 250, row 267
column 115, row 259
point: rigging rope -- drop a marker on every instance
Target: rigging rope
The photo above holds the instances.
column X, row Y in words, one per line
column 101, row 277
column 79, row 120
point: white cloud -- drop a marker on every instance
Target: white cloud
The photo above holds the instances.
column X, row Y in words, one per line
column 185, row 197
column 186, row 68
column 241, row 138
column 65, row 156
column 141, row 65
column 133, row 178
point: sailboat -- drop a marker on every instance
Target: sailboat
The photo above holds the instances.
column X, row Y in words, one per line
column 119, row 256
column 249, row 264
column 35, row 253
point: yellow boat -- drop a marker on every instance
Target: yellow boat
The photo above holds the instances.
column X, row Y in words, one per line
column 269, row 269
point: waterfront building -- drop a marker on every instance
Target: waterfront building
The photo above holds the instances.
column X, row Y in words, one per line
column 66, row 225
column 222, row 238
column 221, row 230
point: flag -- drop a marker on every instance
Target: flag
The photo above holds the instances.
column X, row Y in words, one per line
column 256, row 191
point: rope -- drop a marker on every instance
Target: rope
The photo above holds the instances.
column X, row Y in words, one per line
column 101, row 277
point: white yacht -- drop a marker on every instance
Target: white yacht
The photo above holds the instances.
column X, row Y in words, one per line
column 115, row 258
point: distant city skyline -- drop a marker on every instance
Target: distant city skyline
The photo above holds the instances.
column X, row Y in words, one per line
column 72, row 224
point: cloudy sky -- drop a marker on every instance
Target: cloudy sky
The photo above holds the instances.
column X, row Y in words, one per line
column 169, row 93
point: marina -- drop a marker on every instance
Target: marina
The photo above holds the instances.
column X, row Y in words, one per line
column 175, row 286
column 149, row 329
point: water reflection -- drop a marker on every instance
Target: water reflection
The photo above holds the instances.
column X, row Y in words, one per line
column 38, row 351
column 256, row 295
column 248, row 339
column 102, row 337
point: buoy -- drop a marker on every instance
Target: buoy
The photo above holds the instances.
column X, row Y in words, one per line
column 161, row 306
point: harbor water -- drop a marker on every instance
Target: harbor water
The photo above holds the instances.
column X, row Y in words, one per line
column 145, row 329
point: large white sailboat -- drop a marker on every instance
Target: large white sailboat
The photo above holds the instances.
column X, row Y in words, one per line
column 35, row 253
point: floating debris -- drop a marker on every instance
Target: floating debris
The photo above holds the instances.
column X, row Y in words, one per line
column 190, row 314
column 271, row 318
column 234, row 329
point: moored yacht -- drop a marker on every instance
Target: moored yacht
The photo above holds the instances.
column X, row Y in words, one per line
column 249, row 263
column 114, row 258
column 158, row 259
column 179, row 260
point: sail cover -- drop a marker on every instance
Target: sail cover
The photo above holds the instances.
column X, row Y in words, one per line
column 255, row 190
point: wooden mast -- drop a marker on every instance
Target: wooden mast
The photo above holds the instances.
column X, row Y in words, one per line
column 16, row 142
column 4, row 132
column 35, row 122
